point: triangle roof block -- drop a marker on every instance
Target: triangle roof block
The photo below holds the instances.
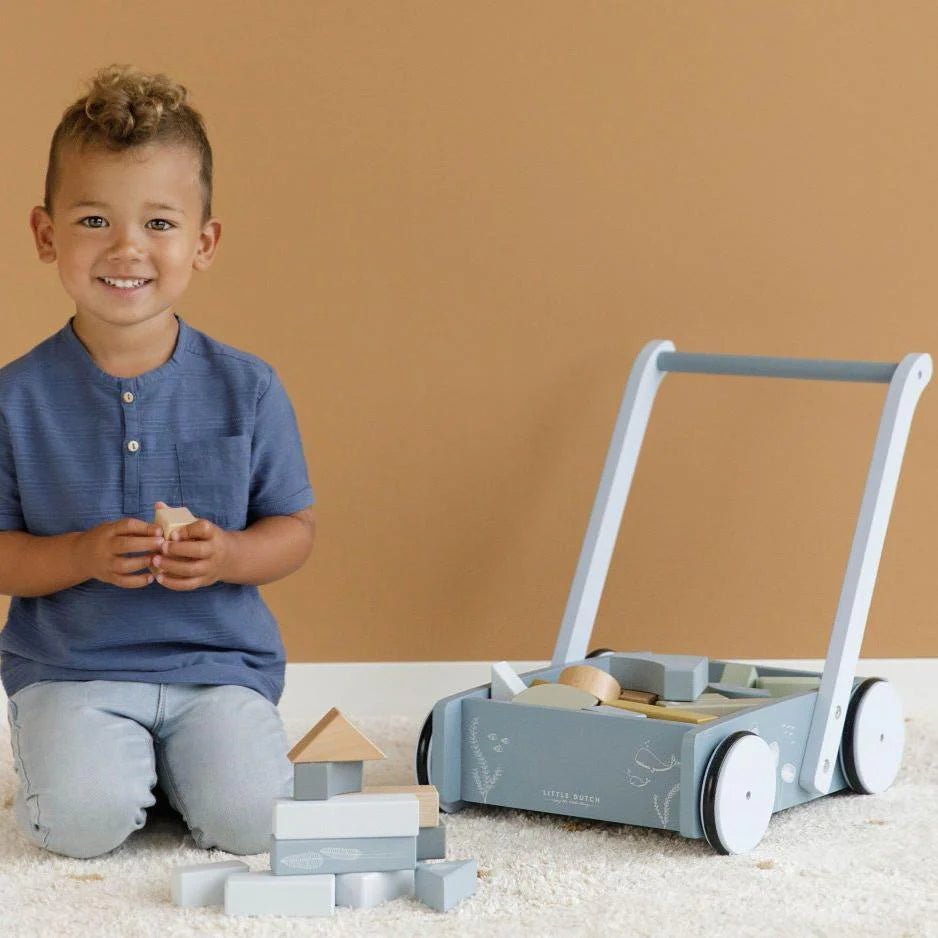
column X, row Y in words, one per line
column 334, row 739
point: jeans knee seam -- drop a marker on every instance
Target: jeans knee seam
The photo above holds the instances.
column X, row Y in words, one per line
column 174, row 792
column 18, row 760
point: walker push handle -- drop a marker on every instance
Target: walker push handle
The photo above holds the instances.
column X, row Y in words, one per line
column 906, row 382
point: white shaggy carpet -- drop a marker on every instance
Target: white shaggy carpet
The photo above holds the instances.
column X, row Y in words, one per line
column 843, row 865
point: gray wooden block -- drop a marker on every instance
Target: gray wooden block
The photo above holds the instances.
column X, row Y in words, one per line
column 737, row 690
column 441, row 885
column 431, row 842
column 318, row 781
column 364, row 890
column 355, row 815
column 343, row 855
column 739, row 673
column 780, row 686
column 203, row 883
column 266, row 894
column 675, row 677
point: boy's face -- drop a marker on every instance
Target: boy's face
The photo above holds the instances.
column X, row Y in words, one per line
column 126, row 235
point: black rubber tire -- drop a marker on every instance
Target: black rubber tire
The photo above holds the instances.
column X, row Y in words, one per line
column 422, row 756
column 848, row 763
column 708, row 791
column 596, row 652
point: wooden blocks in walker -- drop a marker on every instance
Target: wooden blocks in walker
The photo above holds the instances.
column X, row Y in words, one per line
column 442, row 885
column 784, row 685
column 677, row 714
column 171, row 519
column 203, row 883
column 556, row 695
column 739, row 674
column 505, row 682
column 674, row 677
column 601, row 684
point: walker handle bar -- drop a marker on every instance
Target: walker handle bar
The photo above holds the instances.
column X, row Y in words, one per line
column 765, row 366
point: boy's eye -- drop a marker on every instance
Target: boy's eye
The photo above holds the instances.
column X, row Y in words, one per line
column 96, row 218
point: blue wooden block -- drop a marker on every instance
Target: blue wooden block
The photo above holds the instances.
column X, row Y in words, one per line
column 735, row 690
column 203, row 883
column 674, row 677
column 365, row 890
column 441, row 885
column 342, row 855
column 317, row 781
column 431, row 842
column 265, row 894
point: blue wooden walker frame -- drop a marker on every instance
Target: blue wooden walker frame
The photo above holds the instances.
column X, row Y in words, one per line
column 721, row 780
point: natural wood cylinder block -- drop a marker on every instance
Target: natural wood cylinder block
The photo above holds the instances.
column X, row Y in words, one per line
column 595, row 681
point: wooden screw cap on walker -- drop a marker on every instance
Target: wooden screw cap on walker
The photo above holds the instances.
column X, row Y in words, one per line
column 595, row 681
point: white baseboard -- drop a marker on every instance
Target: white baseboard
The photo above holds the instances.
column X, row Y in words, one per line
column 411, row 688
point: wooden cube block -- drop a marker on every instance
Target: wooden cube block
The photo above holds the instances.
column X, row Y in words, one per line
column 318, row 781
column 171, row 519
column 431, row 842
column 738, row 673
column 638, row 696
column 365, row 890
column 203, row 883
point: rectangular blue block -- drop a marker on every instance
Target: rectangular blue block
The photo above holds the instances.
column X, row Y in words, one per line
column 342, row 855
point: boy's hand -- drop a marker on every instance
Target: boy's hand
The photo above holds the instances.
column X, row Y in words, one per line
column 194, row 556
column 103, row 551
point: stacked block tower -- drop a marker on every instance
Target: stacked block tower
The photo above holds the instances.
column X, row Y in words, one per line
column 336, row 842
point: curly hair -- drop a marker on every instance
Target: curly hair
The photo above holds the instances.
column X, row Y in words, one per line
column 126, row 107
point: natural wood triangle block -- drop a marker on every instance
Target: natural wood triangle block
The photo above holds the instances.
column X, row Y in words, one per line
column 334, row 739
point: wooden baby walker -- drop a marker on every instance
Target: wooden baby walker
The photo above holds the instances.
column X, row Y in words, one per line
column 796, row 735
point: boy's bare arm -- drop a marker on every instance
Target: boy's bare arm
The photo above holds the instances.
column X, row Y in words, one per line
column 270, row 549
column 114, row 552
column 34, row 566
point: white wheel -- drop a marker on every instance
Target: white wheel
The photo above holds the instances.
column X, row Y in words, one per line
column 874, row 737
column 738, row 793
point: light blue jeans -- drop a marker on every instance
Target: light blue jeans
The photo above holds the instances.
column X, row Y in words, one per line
column 89, row 753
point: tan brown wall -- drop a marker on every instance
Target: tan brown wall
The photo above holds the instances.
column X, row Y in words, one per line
column 452, row 226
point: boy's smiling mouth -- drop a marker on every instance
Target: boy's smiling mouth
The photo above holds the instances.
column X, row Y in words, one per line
column 122, row 285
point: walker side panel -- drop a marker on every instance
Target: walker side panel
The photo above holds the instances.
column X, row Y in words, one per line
column 604, row 767
column 783, row 723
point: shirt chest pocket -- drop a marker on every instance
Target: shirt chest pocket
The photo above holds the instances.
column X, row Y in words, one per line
column 215, row 478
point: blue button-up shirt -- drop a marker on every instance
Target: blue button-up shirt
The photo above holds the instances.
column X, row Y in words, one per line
column 211, row 429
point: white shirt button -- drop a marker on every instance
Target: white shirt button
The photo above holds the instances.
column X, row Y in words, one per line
column 133, row 446
column 127, row 397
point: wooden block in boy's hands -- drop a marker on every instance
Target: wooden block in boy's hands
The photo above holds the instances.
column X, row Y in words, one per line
column 171, row 519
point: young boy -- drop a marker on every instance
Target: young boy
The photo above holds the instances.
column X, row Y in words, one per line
column 130, row 659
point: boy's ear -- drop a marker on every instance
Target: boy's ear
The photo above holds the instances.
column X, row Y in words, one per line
column 41, row 226
column 208, row 242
